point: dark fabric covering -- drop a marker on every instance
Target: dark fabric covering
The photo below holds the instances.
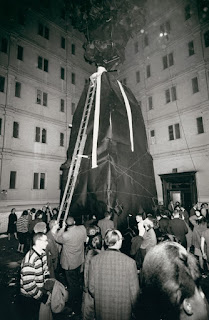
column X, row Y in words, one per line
column 131, row 173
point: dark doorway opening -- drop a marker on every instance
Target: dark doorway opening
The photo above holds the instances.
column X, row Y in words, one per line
column 179, row 187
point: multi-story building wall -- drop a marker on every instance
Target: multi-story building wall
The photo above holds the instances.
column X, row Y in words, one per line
column 167, row 68
column 42, row 75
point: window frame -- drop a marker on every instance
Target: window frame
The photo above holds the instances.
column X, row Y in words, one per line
column 150, row 103
column 62, row 105
column 63, row 42
column 195, row 85
column 62, row 73
column 191, row 48
column 20, row 53
column 18, row 89
column 62, row 139
column 4, row 45
column 2, row 83
column 15, row 131
column 200, row 125
column 12, row 179
column 39, row 181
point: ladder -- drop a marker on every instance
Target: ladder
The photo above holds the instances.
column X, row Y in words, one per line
column 77, row 154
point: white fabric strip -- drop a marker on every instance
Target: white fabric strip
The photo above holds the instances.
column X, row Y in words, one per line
column 129, row 114
column 96, row 77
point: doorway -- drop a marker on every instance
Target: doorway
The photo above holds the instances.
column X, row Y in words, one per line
column 179, row 187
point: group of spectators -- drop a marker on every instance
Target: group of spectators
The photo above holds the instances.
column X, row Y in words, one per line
column 157, row 278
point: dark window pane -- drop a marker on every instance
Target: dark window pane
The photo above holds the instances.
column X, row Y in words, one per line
column 146, row 40
column 177, row 131
column 136, row 47
column 167, row 96
column 191, row 48
column 148, row 71
column 19, row 53
column 0, row 126
column 44, row 99
column 73, row 48
column 61, row 139
column 43, row 140
column 38, row 99
column 46, row 33
column 60, row 182
column 62, row 43
column 12, row 181
column 73, row 78
column 45, row 65
column 173, row 94
column 38, row 131
column 2, row 82
column 40, row 62
column 206, row 38
column 40, row 29
column 15, row 129
column 170, row 59
column 200, row 128
column 150, row 103
column 152, row 133
column 62, row 105
column 195, row 87
column 137, row 76
column 165, row 62
column 170, row 132
column 62, row 73
column 42, row 181
column 35, row 180
column 4, row 45
column 17, row 89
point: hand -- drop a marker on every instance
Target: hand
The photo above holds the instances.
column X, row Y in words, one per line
column 64, row 225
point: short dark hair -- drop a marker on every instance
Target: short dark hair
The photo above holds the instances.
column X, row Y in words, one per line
column 95, row 242
column 169, row 275
column 25, row 213
column 38, row 214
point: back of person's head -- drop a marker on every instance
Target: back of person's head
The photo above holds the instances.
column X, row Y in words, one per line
column 170, row 276
column 95, row 242
column 111, row 237
column 33, row 210
column 39, row 214
column 25, row 213
column 70, row 221
column 52, row 223
column 107, row 214
column 37, row 236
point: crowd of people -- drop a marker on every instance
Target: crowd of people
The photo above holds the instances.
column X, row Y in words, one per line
column 150, row 271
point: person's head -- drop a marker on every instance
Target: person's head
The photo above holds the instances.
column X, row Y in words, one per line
column 139, row 217
column 33, row 210
column 44, row 208
column 40, row 227
column 176, row 213
column 198, row 213
column 25, row 213
column 55, row 211
column 13, row 210
column 170, row 284
column 107, row 215
column 95, row 242
column 149, row 222
column 39, row 214
column 70, row 221
column 53, row 225
column 113, row 239
column 40, row 241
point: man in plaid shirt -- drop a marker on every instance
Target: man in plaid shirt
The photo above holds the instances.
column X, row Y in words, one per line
column 113, row 281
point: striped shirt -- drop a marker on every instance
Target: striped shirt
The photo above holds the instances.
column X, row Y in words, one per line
column 22, row 224
column 33, row 271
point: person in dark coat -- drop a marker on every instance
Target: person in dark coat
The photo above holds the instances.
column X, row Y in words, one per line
column 178, row 228
column 12, row 228
column 113, row 281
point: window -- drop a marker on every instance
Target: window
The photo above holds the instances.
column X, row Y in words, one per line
column 195, row 87
column 73, row 78
column 43, row 64
column 167, row 96
column 124, row 81
column 61, row 139
column 206, row 38
column 150, row 103
column 40, row 135
column 15, row 129
column 148, row 69
column 38, row 180
column 41, row 98
column 43, row 31
column 191, row 48
column 60, row 181
column 72, row 108
column 17, row 89
column 170, row 95
column 12, row 180
column 62, row 73
column 174, row 131
column 73, row 48
column 152, row 136
column 62, row 105
column 4, row 45
column 187, row 12
column 62, row 43
column 200, row 128
column 137, row 76
column 173, row 94
column 19, row 53
column 0, row 126
column 146, row 40
column 2, row 82
column 152, row 133
column 168, row 61
column 136, row 47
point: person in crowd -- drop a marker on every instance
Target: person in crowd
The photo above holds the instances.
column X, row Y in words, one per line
column 204, row 209
column 72, row 258
column 95, row 246
column 137, row 240
column 34, row 272
column 171, row 206
column 170, row 285
column 178, row 228
column 193, row 209
column 113, row 281
column 205, row 244
column 38, row 218
column 164, row 223
column 12, row 221
column 55, row 212
column 199, row 228
column 184, row 215
column 52, row 247
column 22, row 231
column 106, row 223
column 149, row 237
